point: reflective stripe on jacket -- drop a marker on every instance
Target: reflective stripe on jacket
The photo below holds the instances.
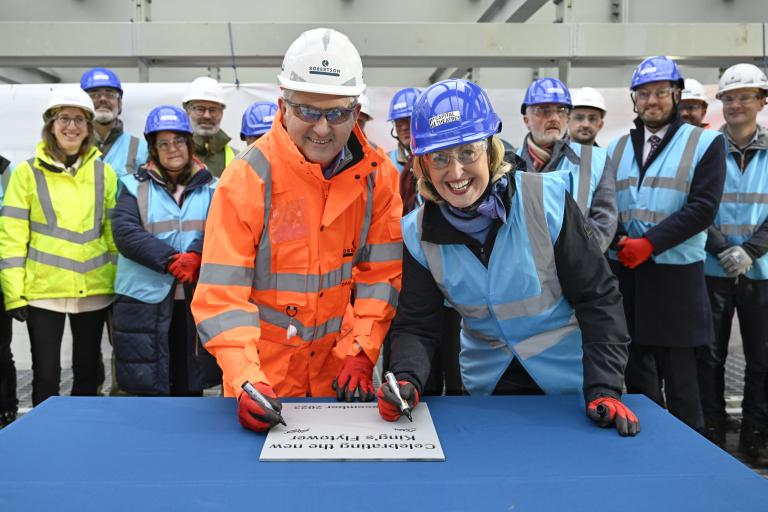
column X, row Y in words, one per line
column 743, row 209
column 284, row 248
column 586, row 172
column 663, row 190
column 55, row 231
column 515, row 307
column 181, row 227
column 126, row 154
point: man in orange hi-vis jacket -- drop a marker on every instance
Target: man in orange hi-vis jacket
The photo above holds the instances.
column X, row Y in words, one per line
column 299, row 222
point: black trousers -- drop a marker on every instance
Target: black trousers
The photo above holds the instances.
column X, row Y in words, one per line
column 46, row 329
column 750, row 299
column 8, row 400
column 178, row 352
column 649, row 366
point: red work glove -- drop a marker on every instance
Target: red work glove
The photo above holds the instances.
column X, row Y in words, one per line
column 251, row 415
column 356, row 374
column 634, row 251
column 607, row 411
column 389, row 405
column 185, row 267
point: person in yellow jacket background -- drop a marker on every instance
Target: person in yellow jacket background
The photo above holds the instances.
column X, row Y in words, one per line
column 307, row 215
column 57, row 256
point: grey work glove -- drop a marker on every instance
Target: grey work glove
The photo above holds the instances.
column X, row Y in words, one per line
column 735, row 261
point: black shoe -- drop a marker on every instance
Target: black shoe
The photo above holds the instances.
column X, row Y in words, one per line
column 7, row 417
column 732, row 423
column 714, row 430
column 753, row 442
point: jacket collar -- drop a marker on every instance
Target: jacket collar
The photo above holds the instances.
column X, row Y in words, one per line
column 46, row 162
column 561, row 148
column 637, row 135
column 114, row 133
column 216, row 144
column 759, row 143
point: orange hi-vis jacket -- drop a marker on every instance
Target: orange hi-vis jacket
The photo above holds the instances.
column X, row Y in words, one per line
column 284, row 249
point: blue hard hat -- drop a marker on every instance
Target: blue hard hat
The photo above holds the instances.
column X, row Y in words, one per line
column 257, row 119
column 402, row 102
column 656, row 69
column 100, row 77
column 450, row 113
column 546, row 90
column 167, row 118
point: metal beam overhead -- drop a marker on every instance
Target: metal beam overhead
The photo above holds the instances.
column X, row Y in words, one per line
column 27, row 76
column 414, row 45
column 504, row 11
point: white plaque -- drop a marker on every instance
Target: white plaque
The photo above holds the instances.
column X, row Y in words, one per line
column 350, row 431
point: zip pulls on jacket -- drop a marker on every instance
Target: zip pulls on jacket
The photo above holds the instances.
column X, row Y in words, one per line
column 291, row 331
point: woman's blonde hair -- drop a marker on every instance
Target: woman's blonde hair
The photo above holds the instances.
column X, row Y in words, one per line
column 497, row 166
column 52, row 147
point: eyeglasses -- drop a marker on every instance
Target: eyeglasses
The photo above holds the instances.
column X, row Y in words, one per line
column 580, row 118
column 176, row 142
column 465, row 155
column 690, row 107
column 107, row 93
column 548, row 111
column 742, row 99
column 65, row 121
column 309, row 114
column 660, row 94
column 201, row 110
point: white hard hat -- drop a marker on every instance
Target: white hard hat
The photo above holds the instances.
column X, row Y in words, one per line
column 588, row 97
column 365, row 106
column 323, row 61
column 69, row 96
column 204, row 88
column 693, row 90
column 740, row 76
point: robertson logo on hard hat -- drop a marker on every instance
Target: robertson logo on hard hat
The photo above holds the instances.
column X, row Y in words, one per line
column 445, row 117
column 323, row 69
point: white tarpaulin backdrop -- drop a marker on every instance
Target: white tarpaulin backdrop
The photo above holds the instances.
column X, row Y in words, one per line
column 23, row 106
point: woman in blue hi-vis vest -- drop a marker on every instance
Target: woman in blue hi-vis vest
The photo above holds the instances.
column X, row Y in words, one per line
column 541, row 311
column 158, row 226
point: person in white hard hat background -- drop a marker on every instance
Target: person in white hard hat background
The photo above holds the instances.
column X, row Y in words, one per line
column 693, row 103
column 124, row 152
column 365, row 111
column 204, row 103
column 56, row 244
column 736, row 267
column 305, row 215
column 587, row 116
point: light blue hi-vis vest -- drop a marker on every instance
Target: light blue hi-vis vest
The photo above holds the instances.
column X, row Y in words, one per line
column 663, row 191
column 178, row 226
column 743, row 208
column 585, row 175
column 515, row 307
column 393, row 156
column 126, row 155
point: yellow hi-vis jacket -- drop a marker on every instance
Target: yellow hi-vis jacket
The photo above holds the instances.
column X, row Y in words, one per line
column 55, row 231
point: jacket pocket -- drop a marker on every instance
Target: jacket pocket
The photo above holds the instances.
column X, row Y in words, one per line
column 291, row 273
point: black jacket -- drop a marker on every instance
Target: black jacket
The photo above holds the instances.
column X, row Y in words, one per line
column 586, row 281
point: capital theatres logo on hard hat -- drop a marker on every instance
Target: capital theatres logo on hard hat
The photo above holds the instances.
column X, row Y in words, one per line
column 444, row 118
column 324, row 69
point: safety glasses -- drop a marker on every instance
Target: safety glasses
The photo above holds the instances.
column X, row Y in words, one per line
column 465, row 155
column 309, row 114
